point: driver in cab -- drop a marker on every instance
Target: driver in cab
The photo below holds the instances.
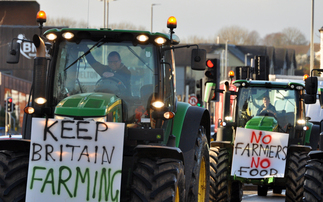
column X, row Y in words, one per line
column 115, row 68
column 267, row 107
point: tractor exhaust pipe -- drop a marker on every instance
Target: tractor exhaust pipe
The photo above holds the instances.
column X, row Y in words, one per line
column 39, row 74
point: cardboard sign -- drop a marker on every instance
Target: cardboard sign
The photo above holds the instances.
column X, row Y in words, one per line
column 259, row 154
column 74, row 160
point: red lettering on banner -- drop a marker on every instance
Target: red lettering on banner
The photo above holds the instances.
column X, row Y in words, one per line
column 253, row 162
column 264, row 138
column 256, row 164
column 253, row 135
column 262, row 163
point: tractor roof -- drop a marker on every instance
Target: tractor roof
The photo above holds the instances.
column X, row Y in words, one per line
column 269, row 84
column 113, row 35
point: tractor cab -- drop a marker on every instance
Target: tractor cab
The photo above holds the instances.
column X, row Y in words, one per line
column 274, row 106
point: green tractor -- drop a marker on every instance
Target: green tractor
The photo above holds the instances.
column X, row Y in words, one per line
column 90, row 135
column 313, row 169
column 260, row 143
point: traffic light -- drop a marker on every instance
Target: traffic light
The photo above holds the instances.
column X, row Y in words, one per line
column 211, row 70
column 9, row 104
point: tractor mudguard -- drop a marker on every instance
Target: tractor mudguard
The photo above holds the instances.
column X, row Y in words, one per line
column 316, row 154
column 222, row 144
column 15, row 144
column 187, row 121
column 314, row 136
column 295, row 147
column 159, row 151
column 193, row 119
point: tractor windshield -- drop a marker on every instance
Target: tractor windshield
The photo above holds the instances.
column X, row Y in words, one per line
column 277, row 102
column 119, row 68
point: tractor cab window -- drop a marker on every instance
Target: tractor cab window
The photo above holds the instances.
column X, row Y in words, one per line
column 276, row 102
column 122, row 69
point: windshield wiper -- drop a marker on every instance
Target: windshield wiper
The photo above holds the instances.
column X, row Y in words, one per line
column 133, row 52
column 85, row 53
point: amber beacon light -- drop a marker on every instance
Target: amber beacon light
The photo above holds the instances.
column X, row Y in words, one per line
column 172, row 22
column 41, row 16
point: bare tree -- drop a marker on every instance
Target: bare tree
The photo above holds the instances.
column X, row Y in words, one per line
column 238, row 35
column 194, row 39
column 65, row 22
column 253, row 38
column 289, row 36
column 273, row 39
column 126, row 25
column 293, row 36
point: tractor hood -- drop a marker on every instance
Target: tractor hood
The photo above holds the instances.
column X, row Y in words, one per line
column 266, row 123
column 89, row 105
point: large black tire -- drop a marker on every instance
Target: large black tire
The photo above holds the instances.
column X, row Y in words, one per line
column 199, row 183
column 295, row 170
column 158, row 179
column 13, row 175
column 221, row 188
column 313, row 181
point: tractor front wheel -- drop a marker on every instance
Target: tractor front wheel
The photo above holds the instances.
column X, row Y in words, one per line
column 313, row 181
column 199, row 183
column 295, row 170
column 221, row 187
column 158, row 179
column 13, row 175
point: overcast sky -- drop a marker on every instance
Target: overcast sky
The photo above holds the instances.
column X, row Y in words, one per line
column 202, row 18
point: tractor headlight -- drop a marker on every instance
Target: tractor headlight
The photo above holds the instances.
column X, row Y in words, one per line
column 301, row 122
column 228, row 118
column 142, row 38
column 40, row 100
column 51, row 36
column 158, row 104
column 68, row 35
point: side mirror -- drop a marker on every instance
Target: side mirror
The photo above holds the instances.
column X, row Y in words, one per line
column 198, row 59
column 311, row 85
column 310, row 99
column 13, row 52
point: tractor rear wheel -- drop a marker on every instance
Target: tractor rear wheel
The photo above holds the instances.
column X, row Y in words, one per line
column 158, row 179
column 13, row 175
column 221, row 188
column 313, row 181
column 295, row 170
column 199, row 183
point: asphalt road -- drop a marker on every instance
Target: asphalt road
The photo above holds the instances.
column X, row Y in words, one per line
column 271, row 197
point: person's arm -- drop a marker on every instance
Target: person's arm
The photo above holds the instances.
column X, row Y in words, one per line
column 97, row 66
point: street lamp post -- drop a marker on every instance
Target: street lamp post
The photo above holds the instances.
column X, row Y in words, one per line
column 226, row 59
column 152, row 16
column 108, row 1
column 312, row 40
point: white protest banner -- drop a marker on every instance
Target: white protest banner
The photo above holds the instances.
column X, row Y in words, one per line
column 259, row 154
column 75, row 160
